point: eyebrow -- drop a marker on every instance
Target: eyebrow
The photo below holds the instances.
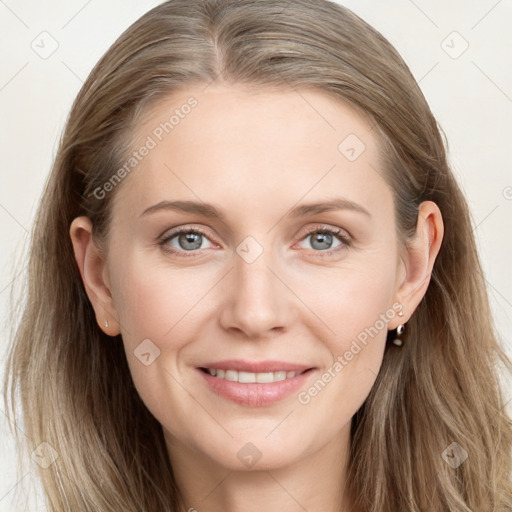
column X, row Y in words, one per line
column 208, row 210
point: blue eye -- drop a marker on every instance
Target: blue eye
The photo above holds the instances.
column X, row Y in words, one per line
column 324, row 236
column 190, row 241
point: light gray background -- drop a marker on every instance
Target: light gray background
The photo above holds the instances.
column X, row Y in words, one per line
column 471, row 96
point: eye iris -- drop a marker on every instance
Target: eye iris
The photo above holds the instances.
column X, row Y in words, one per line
column 324, row 238
column 189, row 238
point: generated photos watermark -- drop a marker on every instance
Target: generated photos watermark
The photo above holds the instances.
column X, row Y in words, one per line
column 305, row 397
column 151, row 142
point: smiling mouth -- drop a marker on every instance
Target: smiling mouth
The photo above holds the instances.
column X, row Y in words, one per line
column 244, row 377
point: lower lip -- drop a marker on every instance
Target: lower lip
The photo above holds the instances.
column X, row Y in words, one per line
column 255, row 394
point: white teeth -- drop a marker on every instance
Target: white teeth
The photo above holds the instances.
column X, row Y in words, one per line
column 249, row 377
column 246, row 377
column 279, row 375
column 231, row 375
column 264, row 378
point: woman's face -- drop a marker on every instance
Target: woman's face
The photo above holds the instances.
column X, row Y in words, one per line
column 256, row 281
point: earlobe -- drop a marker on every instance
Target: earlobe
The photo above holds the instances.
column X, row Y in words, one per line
column 421, row 254
column 94, row 273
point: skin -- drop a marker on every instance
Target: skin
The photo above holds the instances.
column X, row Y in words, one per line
column 254, row 155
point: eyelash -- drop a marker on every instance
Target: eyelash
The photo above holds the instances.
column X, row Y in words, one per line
column 346, row 241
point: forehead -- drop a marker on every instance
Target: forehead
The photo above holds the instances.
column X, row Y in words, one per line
column 307, row 113
column 229, row 140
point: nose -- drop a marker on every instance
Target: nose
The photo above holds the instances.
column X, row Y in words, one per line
column 258, row 301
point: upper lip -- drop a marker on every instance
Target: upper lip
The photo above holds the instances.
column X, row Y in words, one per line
column 256, row 366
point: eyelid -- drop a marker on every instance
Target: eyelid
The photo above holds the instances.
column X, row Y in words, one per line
column 171, row 232
column 340, row 232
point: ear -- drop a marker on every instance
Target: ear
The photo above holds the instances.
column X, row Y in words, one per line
column 419, row 260
column 94, row 272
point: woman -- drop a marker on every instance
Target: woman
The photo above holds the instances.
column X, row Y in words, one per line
column 270, row 296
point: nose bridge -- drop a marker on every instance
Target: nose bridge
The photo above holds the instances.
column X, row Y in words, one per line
column 258, row 301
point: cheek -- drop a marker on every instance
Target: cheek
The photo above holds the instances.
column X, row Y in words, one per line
column 151, row 300
column 357, row 315
column 354, row 305
column 351, row 299
column 160, row 310
column 156, row 309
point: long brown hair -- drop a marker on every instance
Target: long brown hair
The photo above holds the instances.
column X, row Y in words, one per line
column 440, row 388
